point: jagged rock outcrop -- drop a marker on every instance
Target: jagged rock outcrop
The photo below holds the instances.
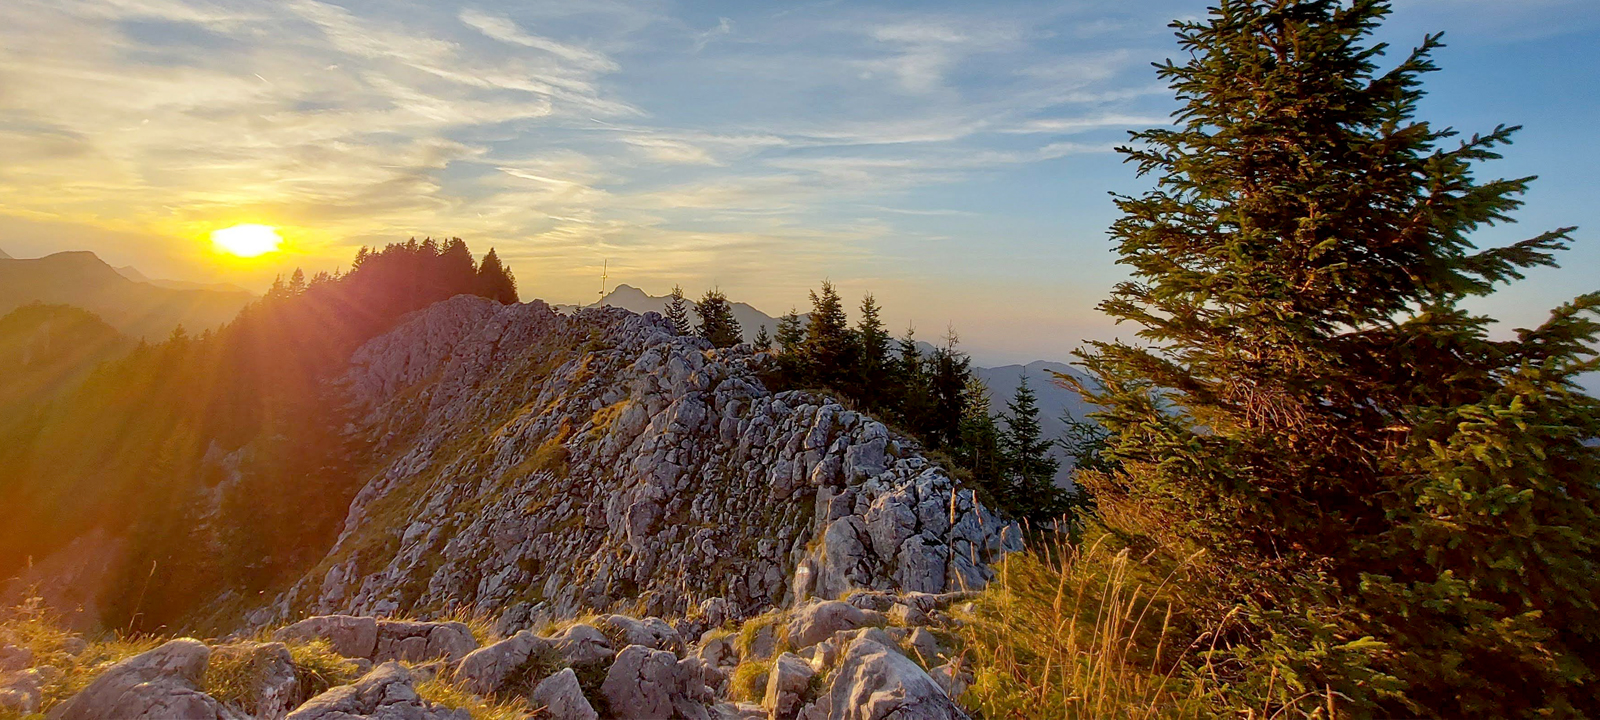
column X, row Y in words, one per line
column 386, row 693
column 162, row 684
column 555, row 465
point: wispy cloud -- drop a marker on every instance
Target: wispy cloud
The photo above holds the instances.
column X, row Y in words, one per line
column 554, row 131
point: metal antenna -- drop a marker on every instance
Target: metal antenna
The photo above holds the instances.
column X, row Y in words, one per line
column 605, row 270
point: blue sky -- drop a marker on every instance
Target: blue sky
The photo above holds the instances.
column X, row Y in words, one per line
column 953, row 158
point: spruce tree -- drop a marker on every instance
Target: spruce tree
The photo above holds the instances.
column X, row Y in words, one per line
column 790, row 333
column 763, row 341
column 949, row 370
column 1029, row 487
column 717, row 323
column 678, row 311
column 828, row 344
column 914, row 394
column 979, row 450
column 872, row 361
column 1311, row 403
column 495, row 280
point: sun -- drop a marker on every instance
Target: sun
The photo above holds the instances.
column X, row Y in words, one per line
column 247, row 240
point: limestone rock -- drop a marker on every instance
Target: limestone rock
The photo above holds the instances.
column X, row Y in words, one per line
column 487, row 669
column 14, row 658
column 647, row 684
column 813, row 623
column 874, row 682
column 386, row 693
column 651, row 632
column 351, row 637
column 20, row 694
column 417, row 641
column 562, row 698
column 161, row 684
column 583, row 644
column 787, row 684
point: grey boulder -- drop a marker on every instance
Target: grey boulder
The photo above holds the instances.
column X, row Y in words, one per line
column 787, row 684
column 818, row 621
column 385, row 693
column 487, row 669
column 562, row 698
column 350, row 636
column 161, row 684
column 647, row 684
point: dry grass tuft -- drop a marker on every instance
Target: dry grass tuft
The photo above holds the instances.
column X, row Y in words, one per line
column 449, row 694
column 749, row 682
column 1076, row 632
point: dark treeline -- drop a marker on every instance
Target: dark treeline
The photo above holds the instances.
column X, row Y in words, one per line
column 217, row 454
column 934, row 397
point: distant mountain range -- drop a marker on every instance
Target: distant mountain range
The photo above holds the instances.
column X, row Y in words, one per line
column 633, row 299
column 138, row 308
column 132, row 273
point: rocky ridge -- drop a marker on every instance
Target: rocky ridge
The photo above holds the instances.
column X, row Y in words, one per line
column 535, row 466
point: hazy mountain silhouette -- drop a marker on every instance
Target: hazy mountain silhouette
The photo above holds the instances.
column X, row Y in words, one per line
column 138, row 309
column 633, row 299
column 132, row 273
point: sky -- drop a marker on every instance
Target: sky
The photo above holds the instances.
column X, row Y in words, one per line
column 954, row 159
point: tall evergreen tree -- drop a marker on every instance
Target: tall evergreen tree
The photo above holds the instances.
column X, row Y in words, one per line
column 1310, row 395
column 913, row 392
column 717, row 323
column 495, row 280
column 678, row 311
column 828, row 344
column 872, row 356
column 1029, row 486
column 763, row 341
column 947, row 380
column 979, row 450
column 790, row 333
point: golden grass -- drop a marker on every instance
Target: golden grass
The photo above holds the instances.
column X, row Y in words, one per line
column 749, row 681
column 444, row 692
column 32, row 626
column 1076, row 632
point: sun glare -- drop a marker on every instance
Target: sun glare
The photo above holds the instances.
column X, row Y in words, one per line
column 247, row 240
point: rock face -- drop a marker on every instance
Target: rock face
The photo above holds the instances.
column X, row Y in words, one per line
column 386, row 693
column 557, row 465
column 162, row 684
